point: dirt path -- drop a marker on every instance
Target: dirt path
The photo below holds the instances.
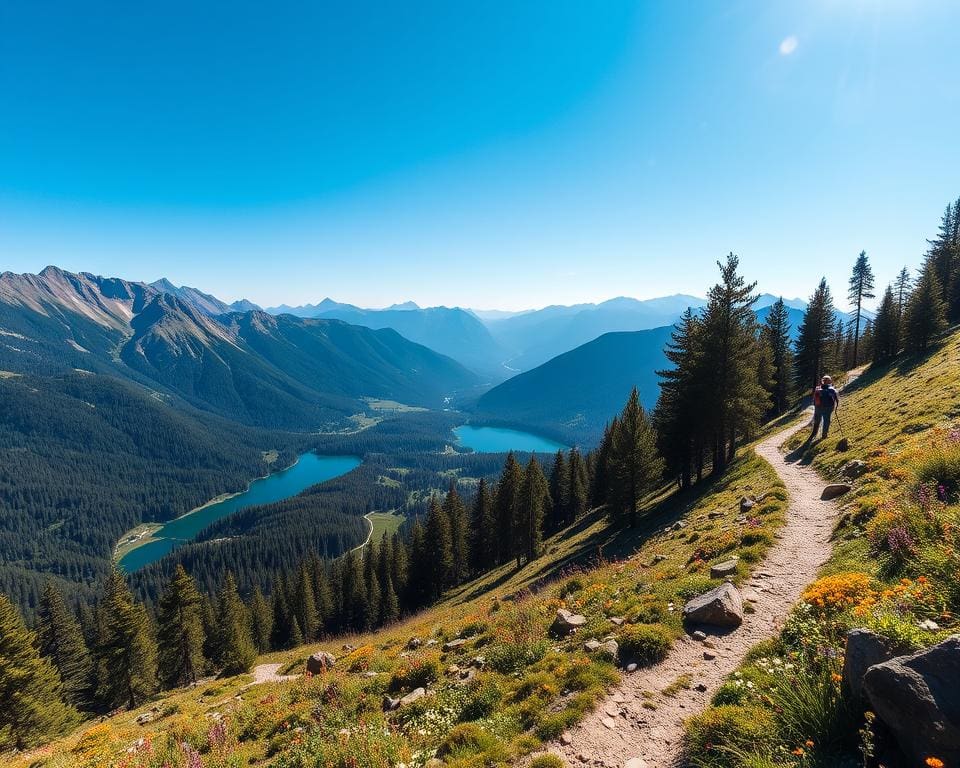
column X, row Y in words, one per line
column 622, row 731
column 269, row 673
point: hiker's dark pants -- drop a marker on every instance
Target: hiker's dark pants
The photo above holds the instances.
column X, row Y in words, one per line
column 821, row 415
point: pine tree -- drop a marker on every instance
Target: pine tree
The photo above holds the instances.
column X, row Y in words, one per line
column 30, row 688
column 861, row 287
column 816, row 339
column 530, row 509
column 235, row 649
column 578, row 500
column 559, row 493
column 127, row 650
column 305, row 605
column 601, row 481
column 943, row 254
column 440, row 546
column 389, row 602
column 372, row 584
column 635, row 462
column 925, row 316
column 776, row 337
column 505, row 503
column 400, row 566
column 679, row 413
column 886, row 341
column 459, row 533
column 60, row 640
column 356, row 611
column 282, row 632
column 483, row 530
column 261, row 621
column 733, row 397
column 180, row 634
column 419, row 567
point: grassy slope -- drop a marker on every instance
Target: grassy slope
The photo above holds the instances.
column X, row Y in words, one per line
column 896, row 418
column 533, row 686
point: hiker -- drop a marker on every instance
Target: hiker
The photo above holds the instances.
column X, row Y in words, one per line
column 825, row 401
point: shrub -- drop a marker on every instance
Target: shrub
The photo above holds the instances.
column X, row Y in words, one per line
column 513, row 657
column 715, row 734
column 646, row 643
column 483, row 695
column 466, row 739
column 570, row 587
column 415, row 674
column 546, row 761
column 939, row 466
column 694, row 586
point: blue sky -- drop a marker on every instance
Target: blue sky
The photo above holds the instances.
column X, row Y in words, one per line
column 500, row 154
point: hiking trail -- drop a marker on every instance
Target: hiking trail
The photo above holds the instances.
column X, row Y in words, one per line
column 622, row 732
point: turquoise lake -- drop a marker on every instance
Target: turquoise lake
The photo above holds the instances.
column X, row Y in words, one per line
column 310, row 469
column 501, row 440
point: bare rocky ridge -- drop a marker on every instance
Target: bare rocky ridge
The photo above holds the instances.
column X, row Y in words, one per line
column 624, row 730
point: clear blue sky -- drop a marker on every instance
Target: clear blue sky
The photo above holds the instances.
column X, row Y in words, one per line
column 494, row 154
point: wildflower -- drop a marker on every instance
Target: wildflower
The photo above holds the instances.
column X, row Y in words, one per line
column 809, row 743
column 934, row 762
column 799, row 752
column 836, row 677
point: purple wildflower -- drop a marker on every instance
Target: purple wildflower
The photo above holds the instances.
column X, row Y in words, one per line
column 899, row 541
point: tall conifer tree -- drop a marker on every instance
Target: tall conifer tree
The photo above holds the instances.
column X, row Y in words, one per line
column 59, row 639
column 530, row 509
column 127, row 651
column 925, row 316
column 505, row 504
column 635, row 462
column 33, row 710
column 180, row 634
column 459, row 533
column 261, row 621
column 814, row 346
column 776, row 336
column 236, row 651
column 861, row 288
column 483, row 526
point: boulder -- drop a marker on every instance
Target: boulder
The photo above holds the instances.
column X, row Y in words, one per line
column 746, row 504
column 918, row 698
column 452, row 645
column 320, row 661
column 721, row 607
column 864, row 650
column 699, row 635
column 930, row 625
column 854, row 469
column 609, row 649
column 592, row 645
column 413, row 643
column 566, row 622
column 834, row 490
column 724, row 569
column 415, row 695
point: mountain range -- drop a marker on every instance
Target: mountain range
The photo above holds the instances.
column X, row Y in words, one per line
column 256, row 368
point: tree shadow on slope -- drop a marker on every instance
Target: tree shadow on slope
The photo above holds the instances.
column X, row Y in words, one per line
column 614, row 541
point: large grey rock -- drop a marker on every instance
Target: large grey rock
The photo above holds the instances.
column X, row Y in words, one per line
column 864, row 650
column 415, row 695
column 319, row 662
column 721, row 607
column 746, row 504
column 918, row 698
column 452, row 645
column 566, row 622
column 834, row 490
column 724, row 569
column 610, row 649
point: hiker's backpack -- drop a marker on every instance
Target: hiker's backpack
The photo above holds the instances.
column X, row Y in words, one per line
column 817, row 398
